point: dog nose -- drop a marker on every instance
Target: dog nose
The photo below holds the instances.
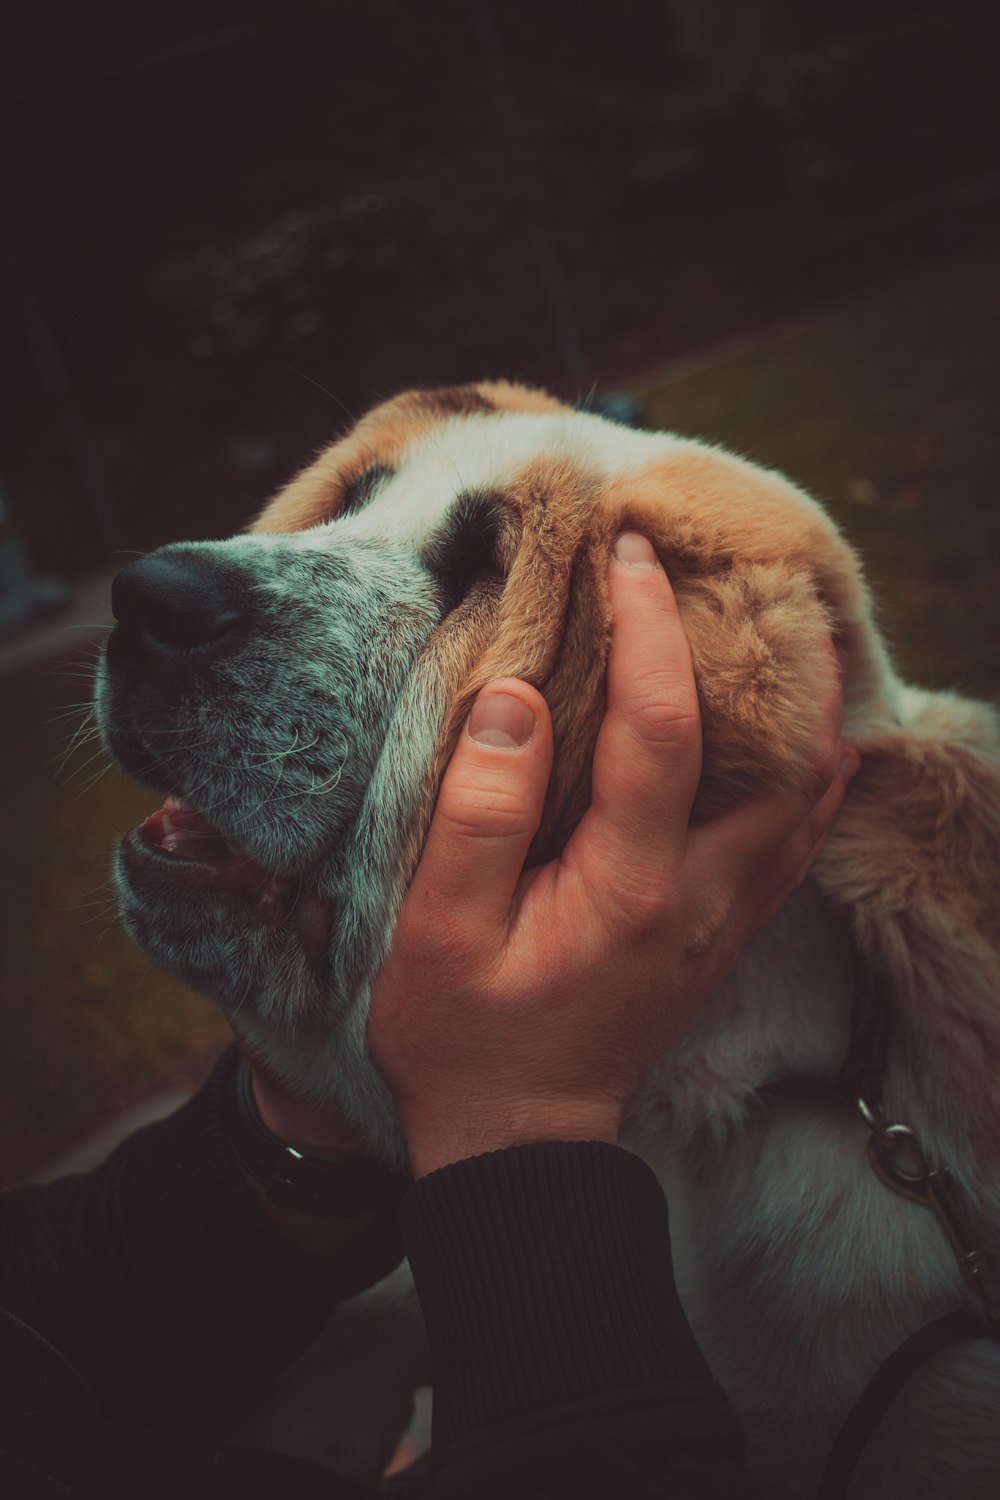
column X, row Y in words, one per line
column 176, row 601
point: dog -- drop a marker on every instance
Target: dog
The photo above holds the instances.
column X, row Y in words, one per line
column 296, row 692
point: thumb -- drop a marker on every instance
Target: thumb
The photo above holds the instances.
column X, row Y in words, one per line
column 488, row 808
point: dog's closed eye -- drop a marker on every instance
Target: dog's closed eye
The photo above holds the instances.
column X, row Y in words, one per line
column 362, row 488
column 474, row 545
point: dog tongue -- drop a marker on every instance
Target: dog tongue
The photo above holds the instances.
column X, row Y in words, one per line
column 187, row 835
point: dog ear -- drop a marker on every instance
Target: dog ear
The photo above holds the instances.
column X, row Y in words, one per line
column 763, row 668
column 914, row 857
column 474, row 548
column 761, row 577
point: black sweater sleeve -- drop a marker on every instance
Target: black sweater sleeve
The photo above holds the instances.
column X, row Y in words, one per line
column 563, row 1363
column 158, row 1278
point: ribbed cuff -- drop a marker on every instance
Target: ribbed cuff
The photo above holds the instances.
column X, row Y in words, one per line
column 545, row 1276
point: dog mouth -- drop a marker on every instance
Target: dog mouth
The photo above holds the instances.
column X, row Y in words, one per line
column 180, row 833
column 177, row 844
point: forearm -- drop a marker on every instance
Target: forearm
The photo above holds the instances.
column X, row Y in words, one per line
column 160, row 1278
column 563, row 1362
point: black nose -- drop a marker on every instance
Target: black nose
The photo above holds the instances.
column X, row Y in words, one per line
column 176, row 601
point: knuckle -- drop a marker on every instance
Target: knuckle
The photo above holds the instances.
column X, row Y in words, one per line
column 644, row 914
column 640, row 912
column 666, row 716
column 492, row 810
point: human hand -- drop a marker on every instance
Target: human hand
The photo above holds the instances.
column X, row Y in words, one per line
column 519, row 1005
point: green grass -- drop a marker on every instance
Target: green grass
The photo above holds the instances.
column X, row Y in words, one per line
column 885, row 408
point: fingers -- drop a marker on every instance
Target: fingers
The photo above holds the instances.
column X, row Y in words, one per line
column 785, row 831
column 763, row 852
column 488, row 811
column 768, row 899
column 755, row 857
column 648, row 756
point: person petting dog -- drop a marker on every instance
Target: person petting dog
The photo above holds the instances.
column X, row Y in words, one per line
column 146, row 1303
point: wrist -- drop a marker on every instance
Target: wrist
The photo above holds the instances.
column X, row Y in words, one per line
column 439, row 1141
column 321, row 1195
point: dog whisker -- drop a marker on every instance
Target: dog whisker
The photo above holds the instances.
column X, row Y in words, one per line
column 89, row 785
column 99, row 754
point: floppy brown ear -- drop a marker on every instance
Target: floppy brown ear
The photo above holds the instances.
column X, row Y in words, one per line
column 757, row 637
column 758, row 642
column 914, row 856
column 761, row 576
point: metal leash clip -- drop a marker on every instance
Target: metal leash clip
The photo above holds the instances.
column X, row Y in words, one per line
column 898, row 1160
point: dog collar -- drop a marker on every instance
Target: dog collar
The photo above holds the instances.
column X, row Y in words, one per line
column 340, row 1187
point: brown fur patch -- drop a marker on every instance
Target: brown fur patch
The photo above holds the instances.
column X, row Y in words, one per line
column 504, row 395
column 760, row 579
column 318, row 491
column 915, row 858
column 450, row 400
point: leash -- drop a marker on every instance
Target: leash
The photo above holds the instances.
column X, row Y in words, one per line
column 898, row 1159
column 881, row 1390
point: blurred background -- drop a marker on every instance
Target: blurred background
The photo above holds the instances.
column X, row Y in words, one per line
column 227, row 227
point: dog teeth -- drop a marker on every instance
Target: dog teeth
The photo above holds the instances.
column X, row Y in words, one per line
column 173, row 839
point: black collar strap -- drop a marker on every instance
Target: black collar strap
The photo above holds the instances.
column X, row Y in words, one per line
column 862, row 1070
column 341, row 1188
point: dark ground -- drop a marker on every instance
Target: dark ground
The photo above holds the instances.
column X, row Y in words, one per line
column 226, row 224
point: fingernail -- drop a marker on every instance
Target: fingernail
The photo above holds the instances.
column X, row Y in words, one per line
column 850, row 764
column 500, row 720
column 634, row 550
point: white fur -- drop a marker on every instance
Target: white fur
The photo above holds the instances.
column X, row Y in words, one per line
column 483, row 452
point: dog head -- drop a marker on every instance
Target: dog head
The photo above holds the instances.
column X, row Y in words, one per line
column 296, row 691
